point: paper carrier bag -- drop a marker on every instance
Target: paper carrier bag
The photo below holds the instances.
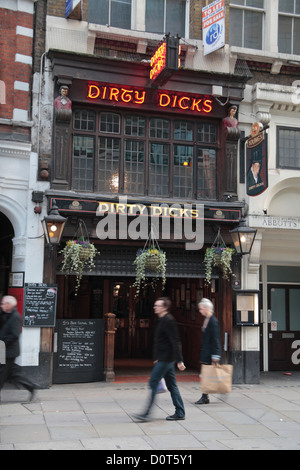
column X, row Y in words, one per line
column 216, row 378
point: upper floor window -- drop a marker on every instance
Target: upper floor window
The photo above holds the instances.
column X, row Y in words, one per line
column 127, row 153
column 246, row 20
column 115, row 13
column 166, row 16
column 289, row 26
column 288, row 150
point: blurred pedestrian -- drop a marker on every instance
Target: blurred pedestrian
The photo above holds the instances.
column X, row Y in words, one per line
column 166, row 352
column 10, row 329
column 211, row 347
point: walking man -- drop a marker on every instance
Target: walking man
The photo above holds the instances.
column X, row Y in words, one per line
column 10, row 328
column 166, row 351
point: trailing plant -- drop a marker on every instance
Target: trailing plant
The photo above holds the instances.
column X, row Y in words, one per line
column 78, row 255
column 150, row 258
column 220, row 256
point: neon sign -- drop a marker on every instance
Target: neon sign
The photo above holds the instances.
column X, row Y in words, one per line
column 158, row 61
column 162, row 99
column 116, row 94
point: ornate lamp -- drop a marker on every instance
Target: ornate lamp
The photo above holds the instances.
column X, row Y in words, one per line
column 53, row 226
column 243, row 238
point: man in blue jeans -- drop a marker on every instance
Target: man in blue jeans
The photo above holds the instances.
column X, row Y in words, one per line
column 166, row 351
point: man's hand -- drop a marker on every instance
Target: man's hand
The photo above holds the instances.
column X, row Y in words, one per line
column 181, row 365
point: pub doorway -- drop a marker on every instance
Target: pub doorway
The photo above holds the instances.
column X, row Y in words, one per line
column 134, row 319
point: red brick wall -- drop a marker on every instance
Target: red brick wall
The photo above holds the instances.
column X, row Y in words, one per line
column 10, row 70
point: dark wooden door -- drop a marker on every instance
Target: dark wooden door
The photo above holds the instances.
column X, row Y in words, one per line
column 284, row 327
column 134, row 319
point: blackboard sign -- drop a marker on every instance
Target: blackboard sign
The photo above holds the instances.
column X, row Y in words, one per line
column 39, row 307
column 78, row 351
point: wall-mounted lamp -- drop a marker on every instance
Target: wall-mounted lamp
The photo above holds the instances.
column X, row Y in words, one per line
column 243, row 238
column 53, row 226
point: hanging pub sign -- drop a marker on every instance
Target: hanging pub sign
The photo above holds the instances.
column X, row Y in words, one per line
column 165, row 61
column 257, row 161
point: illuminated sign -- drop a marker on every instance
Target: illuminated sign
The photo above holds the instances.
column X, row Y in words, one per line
column 158, row 61
column 162, row 99
column 165, row 60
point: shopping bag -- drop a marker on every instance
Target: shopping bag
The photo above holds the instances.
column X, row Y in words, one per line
column 162, row 386
column 216, row 378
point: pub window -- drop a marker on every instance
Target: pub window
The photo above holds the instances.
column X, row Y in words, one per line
column 246, row 20
column 115, row 13
column 83, row 163
column 108, row 164
column 159, row 164
column 288, row 148
column 289, row 26
column 134, row 167
column 183, row 171
column 122, row 153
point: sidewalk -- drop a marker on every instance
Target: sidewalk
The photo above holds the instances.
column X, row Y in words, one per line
column 97, row 416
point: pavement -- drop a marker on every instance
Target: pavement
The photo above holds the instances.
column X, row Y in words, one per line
column 98, row 416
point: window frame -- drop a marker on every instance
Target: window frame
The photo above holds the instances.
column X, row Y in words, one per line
column 278, row 162
column 203, row 128
column 244, row 8
column 293, row 16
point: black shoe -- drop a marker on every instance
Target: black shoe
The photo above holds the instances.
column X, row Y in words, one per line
column 202, row 401
column 174, row 417
column 142, row 417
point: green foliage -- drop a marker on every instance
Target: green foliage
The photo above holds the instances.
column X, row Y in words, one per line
column 144, row 258
column 79, row 255
column 218, row 257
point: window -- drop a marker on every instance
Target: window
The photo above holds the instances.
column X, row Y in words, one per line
column 246, row 20
column 288, row 152
column 115, row 13
column 166, row 16
column 289, row 26
column 121, row 153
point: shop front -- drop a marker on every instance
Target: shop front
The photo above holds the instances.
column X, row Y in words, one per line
column 127, row 155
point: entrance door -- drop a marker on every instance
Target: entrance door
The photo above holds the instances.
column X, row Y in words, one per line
column 284, row 327
column 134, row 319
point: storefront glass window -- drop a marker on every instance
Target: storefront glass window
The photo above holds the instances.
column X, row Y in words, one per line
column 83, row 163
column 159, row 169
column 108, row 164
column 294, row 309
column 144, row 155
column 134, row 167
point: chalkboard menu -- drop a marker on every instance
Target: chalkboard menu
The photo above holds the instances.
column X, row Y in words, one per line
column 78, row 351
column 39, row 308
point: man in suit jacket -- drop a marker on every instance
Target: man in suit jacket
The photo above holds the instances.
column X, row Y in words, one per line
column 10, row 328
column 211, row 347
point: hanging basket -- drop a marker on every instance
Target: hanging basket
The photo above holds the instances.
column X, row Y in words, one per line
column 84, row 253
column 152, row 262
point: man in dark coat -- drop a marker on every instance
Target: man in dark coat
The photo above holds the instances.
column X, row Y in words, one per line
column 10, row 328
column 211, row 347
column 166, row 352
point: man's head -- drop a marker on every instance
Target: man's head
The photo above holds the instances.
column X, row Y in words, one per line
column 162, row 306
column 206, row 307
column 8, row 302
